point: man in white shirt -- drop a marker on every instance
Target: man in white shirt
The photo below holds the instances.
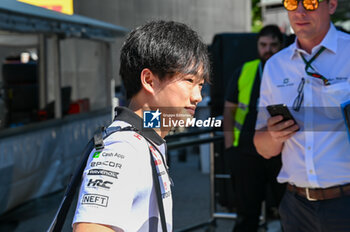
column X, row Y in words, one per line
column 312, row 77
column 163, row 66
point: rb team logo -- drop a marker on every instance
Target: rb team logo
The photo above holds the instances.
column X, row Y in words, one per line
column 151, row 119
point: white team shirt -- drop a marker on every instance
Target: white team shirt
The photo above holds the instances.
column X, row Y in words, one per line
column 117, row 187
column 319, row 154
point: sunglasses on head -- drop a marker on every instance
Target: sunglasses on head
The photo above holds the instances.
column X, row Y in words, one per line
column 309, row 5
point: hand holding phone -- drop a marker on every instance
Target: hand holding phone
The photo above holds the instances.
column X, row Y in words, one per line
column 280, row 109
column 346, row 114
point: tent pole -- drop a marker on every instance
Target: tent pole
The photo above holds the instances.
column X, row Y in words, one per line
column 42, row 71
column 57, row 77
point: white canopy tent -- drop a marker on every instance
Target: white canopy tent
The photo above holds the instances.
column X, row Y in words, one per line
column 38, row 158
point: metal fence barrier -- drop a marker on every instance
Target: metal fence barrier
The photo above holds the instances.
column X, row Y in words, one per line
column 214, row 214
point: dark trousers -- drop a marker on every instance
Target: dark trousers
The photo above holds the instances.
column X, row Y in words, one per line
column 301, row 215
column 251, row 175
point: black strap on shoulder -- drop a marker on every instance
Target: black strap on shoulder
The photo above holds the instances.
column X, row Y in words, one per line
column 98, row 138
column 60, row 217
column 158, row 192
column 95, row 142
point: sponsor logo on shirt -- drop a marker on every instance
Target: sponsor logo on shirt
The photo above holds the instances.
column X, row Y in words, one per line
column 161, row 173
column 156, row 158
column 341, row 78
column 286, row 82
column 95, row 199
column 137, row 136
column 337, row 80
column 166, row 194
column 106, row 163
column 99, row 183
column 103, row 173
column 107, row 154
column 96, row 154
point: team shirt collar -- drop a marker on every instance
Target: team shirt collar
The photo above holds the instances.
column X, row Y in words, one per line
column 330, row 42
column 127, row 115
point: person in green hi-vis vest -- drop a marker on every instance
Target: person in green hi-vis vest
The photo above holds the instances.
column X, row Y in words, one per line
column 250, row 173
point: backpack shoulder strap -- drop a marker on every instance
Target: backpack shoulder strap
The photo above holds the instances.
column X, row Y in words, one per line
column 102, row 133
column 97, row 143
column 158, row 192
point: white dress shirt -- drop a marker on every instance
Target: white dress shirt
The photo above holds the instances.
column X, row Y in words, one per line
column 317, row 156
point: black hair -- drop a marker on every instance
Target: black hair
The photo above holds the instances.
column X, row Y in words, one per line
column 166, row 48
column 273, row 31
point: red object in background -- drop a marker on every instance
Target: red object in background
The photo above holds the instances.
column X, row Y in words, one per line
column 42, row 115
column 79, row 106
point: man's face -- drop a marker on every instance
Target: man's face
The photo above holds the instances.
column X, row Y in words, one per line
column 179, row 95
column 267, row 46
column 312, row 25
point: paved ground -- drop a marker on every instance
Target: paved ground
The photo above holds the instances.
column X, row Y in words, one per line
column 191, row 197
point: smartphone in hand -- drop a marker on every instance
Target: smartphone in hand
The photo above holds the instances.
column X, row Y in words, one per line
column 280, row 109
column 346, row 114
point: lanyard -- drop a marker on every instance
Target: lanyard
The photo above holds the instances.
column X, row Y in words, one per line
column 308, row 65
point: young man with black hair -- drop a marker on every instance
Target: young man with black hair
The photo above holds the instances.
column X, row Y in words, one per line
column 163, row 66
column 312, row 78
column 250, row 173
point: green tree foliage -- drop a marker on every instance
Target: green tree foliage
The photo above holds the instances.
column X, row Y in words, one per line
column 256, row 16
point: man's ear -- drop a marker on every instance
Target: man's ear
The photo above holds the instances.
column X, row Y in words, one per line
column 148, row 80
column 332, row 5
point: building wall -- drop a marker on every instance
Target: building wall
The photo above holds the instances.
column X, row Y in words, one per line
column 207, row 17
column 276, row 15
